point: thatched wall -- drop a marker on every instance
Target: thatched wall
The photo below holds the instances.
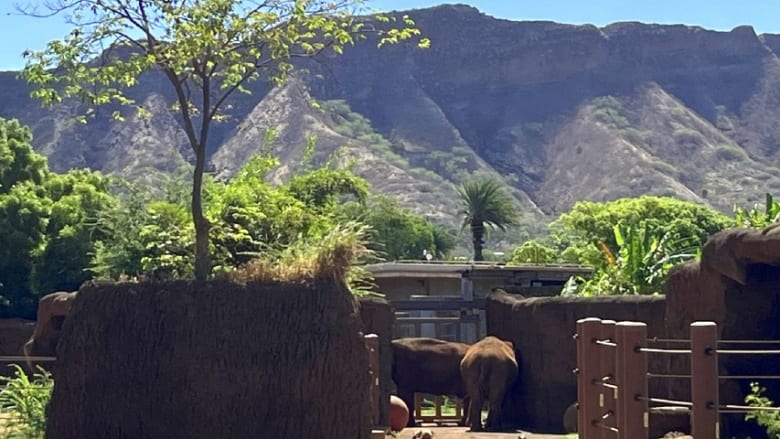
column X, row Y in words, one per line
column 378, row 317
column 211, row 360
column 541, row 329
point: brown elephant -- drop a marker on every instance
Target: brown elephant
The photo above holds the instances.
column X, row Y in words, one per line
column 428, row 365
column 489, row 369
column 52, row 310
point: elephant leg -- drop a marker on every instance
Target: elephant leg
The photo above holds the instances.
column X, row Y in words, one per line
column 464, row 420
column 408, row 398
column 493, row 422
column 475, row 412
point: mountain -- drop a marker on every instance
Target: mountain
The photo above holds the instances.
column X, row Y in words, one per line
column 560, row 112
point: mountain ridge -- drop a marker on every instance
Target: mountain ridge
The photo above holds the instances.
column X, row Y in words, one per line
column 559, row 112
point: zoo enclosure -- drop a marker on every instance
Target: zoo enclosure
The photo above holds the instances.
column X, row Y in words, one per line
column 447, row 318
column 612, row 374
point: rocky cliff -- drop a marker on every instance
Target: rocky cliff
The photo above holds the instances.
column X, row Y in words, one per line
column 561, row 112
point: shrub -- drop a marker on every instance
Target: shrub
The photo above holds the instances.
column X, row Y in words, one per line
column 665, row 168
column 687, row 136
column 608, row 112
column 24, row 401
column 767, row 419
column 728, row 152
column 635, row 136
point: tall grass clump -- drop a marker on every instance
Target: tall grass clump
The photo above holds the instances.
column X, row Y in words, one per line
column 23, row 403
column 336, row 256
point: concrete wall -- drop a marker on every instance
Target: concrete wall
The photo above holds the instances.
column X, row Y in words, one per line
column 541, row 329
column 403, row 288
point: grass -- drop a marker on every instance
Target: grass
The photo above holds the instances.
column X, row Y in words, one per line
column 335, row 256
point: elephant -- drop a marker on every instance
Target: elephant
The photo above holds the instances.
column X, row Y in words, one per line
column 428, row 365
column 52, row 310
column 489, row 369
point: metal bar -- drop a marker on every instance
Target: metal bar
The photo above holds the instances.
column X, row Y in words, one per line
column 667, row 375
column 749, row 342
column 749, row 352
column 749, row 377
column 431, row 320
column 12, row 358
column 668, row 401
column 666, row 351
column 746, row 408
column 437, row 305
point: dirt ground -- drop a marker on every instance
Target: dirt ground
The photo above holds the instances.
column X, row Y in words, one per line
column 463, row 433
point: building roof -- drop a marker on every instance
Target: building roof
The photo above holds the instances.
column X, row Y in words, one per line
column 455, row 270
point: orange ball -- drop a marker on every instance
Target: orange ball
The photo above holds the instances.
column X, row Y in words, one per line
column 399, row 413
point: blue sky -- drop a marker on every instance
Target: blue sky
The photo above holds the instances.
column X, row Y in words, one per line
column 18, row 33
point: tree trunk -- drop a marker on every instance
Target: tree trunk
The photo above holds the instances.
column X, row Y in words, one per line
column 202, row 225
column 477, row 231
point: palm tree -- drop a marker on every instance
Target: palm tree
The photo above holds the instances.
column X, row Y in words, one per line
column 483, row 202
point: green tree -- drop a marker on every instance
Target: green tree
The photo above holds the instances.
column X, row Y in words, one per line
column 206, row 49
column 23, row 218
column 444, row 241
column 48, row 223
column 533, row 251
column 685, row 224
column 72, row 231
column 396, row 232
column 483, row 203
column 18, row 161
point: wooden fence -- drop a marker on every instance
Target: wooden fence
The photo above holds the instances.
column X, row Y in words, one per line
column 612, row 390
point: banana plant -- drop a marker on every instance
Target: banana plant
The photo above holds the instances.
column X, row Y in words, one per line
column 758, row 217
column 643, row 258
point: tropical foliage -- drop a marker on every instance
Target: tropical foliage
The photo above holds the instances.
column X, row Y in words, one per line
column 48, row 223
column 23, row 402
column 534, row 251
column 758, row 216
column 484, row 205
column 397, row 233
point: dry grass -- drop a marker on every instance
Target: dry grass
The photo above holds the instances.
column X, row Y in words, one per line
column 334, row 256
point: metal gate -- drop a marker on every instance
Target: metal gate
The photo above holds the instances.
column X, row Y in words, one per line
column 445, row 318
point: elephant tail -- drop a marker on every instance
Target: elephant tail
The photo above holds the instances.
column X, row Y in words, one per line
column 27, row 350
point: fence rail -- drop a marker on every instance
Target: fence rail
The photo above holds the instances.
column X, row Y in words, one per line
column 612, row 390
column 438, row 416
column 15, row 358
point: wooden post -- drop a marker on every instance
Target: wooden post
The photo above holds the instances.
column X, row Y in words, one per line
column 631, row 371
column 588, row 332
column 372, row 343
column 704, row 379
column 607, row 400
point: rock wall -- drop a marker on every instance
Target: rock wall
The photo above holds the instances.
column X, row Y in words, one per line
column 14, row 333
column 211, row 360
column 541, row 329
column 737, row 285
